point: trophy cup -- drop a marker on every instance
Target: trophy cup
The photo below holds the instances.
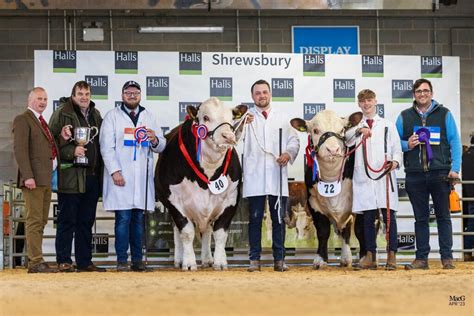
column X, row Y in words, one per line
column 82, row 137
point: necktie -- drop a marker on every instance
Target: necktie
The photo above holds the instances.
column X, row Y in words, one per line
column 265, row 114
column 370, row 122
column 48, row 135
column 132, row 114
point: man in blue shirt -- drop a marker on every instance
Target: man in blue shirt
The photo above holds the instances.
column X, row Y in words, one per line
column 428, row 163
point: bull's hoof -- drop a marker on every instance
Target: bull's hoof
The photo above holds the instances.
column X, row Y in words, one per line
column 319, row 263
column 177, row 264
column 345, row 263
column 207, row 264
column 320, row 266
column 189, row 267
column 220, row 267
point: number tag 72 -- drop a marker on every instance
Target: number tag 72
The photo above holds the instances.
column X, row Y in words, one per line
column 329, row 189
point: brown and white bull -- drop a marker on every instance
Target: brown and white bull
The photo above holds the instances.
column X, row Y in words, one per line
column 201, row 191
column 330, row 188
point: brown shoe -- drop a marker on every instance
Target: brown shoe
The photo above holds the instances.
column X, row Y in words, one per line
column 66, row 267
column 42, row 267
column 280, row 266
column 368, row 262
column 391, row 261
column 447, row 264
column 91, row 268
column 418, row 264
column 254, row 266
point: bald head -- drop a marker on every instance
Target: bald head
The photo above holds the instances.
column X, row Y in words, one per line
column 38, row 99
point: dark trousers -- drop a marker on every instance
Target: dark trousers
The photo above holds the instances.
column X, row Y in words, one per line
column 75, row 220
column 370, row 232
column 256, row 211
column 419, row 186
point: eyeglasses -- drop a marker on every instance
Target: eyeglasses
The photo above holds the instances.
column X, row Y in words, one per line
column 129, row 93
column 425, row 91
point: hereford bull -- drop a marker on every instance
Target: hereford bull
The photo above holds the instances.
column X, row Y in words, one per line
column 197, row 179
column 329, row 182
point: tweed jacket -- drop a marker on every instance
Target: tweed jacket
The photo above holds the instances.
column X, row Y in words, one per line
column 33, row 151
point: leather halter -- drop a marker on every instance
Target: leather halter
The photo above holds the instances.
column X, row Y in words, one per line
column 325, row 137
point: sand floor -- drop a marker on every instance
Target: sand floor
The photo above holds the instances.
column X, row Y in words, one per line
column 301, row 291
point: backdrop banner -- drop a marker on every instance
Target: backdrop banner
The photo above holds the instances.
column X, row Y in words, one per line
column 302, row 85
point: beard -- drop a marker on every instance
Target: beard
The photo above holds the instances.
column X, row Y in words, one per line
column 131, row 106
column 263, row 103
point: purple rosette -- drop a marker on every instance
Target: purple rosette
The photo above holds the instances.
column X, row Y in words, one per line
column 424, row 136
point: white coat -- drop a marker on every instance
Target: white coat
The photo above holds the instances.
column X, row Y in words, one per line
column 367, row 193
column 261, row 172
column 116, row 157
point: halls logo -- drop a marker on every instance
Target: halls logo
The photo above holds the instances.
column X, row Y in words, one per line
column 99, row 86
column 190, row 63
column 372, row 66
column 401, row 91
column 282, row 89
column 406, row 242
column 311, row 109
column 344, row 90
column 221, row 88
column 55, row 105
column 158, row 88
column 182, row 109
column 126, row 62
column 380, row 110
column 314, row 65
column 100, row 243
column 64, row 61
column 402, row 191
column 431, row 67
column 432, row 220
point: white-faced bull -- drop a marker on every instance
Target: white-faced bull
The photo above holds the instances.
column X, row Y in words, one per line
column 197, row 179
column 328, row 178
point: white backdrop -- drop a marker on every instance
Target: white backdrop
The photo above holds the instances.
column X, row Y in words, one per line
column 183, row 78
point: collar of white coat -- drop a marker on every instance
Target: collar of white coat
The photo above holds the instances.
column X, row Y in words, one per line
column 258, row 110
column 375, row 118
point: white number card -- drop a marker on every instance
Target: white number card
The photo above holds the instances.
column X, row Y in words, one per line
column 329, row 189
column 219, row 185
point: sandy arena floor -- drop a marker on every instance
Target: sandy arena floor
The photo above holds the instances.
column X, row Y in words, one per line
column 301, row 291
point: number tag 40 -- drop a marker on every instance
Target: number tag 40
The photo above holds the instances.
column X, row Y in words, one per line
column 219, row 185
column 329, row 189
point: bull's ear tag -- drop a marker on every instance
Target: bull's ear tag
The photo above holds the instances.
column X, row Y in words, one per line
column 219, row 185
column 329, row 189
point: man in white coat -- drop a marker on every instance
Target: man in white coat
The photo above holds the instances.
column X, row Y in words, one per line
column 128, row 136
column 369, row 194
column 262, row 162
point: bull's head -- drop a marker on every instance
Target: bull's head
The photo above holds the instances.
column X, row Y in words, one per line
column 218, row 120
column 326, row 130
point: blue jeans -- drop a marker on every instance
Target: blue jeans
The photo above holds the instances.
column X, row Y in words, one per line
column 419, row 186
column 129, row 229
column 370, row 234
column 256, row 211
column 75, row 220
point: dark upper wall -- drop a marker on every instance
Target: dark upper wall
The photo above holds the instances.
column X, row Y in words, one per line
column 449, row 32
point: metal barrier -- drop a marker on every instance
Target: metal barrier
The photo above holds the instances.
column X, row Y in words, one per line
column 166, row 258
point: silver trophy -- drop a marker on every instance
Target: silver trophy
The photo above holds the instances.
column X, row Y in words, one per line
column 82, row 137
